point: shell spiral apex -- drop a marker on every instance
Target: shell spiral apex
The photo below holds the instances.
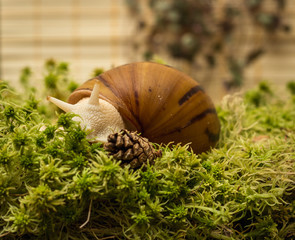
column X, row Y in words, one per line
column 162, row 103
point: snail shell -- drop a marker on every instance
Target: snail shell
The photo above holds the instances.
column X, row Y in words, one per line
column 162, row 103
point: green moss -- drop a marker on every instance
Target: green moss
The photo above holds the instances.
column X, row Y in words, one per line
column 54, row 184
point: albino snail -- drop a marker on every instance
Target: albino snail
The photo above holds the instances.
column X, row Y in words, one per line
column 160, row 102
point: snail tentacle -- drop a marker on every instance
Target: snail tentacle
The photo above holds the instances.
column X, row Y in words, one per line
column 94, row 97
column 67, row 107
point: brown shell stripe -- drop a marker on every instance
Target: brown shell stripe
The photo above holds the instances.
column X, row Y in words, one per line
column 212, row 136
column 78, row 89
column 194, row 90
column 195, row 119
column 105, row 82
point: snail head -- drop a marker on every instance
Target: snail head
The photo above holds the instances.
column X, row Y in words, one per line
column 96, row 115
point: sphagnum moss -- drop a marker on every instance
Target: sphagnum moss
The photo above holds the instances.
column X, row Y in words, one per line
column 56, row 185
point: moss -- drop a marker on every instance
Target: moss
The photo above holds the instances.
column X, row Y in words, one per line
column 56, row 185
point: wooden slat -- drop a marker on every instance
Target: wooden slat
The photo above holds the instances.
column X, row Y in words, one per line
column 86, row 33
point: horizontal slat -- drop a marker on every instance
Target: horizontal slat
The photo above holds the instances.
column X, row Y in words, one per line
column 57, row 12
column 65, row 3
column 63, row 39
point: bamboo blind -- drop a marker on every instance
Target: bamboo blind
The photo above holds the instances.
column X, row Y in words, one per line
column 97, row 33
column 85, row 33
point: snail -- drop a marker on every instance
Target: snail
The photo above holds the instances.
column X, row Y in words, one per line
column 156, row 100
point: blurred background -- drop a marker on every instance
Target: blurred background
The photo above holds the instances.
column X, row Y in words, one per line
column 225, row 45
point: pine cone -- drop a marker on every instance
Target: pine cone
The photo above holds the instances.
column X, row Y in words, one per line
column 131, row 148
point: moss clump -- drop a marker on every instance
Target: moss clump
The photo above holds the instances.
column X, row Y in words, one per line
column 55, row 185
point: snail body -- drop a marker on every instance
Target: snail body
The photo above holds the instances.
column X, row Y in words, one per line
column 160, row 102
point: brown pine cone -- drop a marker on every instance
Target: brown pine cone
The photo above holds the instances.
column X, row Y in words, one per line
column 131, row 148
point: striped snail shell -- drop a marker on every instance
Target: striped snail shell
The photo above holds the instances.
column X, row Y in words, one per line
column 158, row 101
